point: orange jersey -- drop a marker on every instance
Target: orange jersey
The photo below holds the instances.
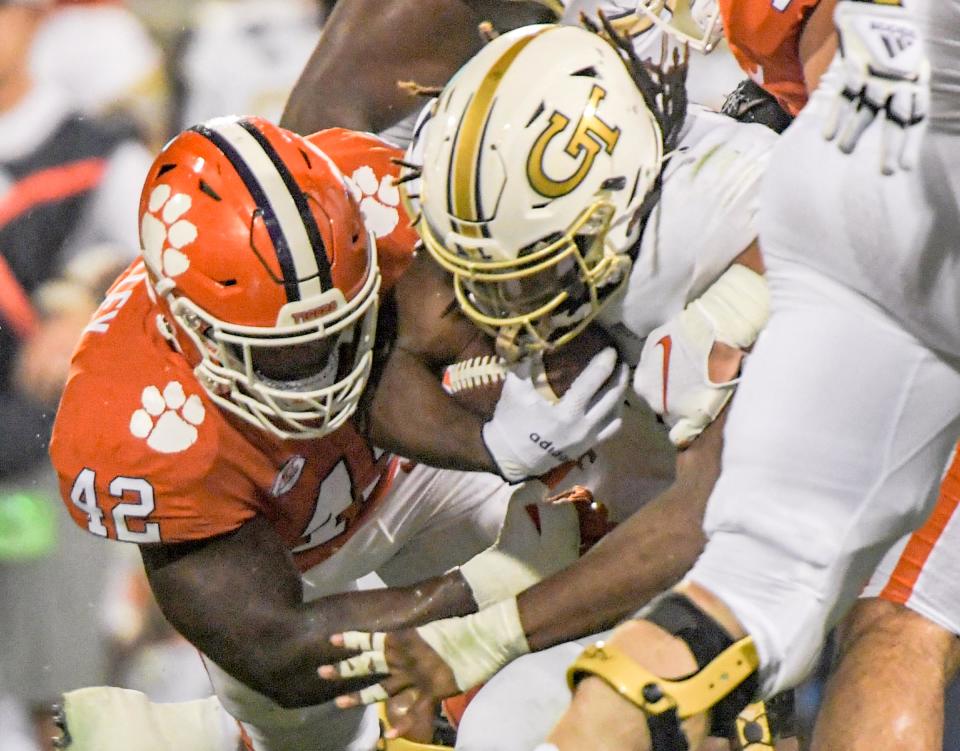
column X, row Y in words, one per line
column 764, row 36
column 367, row 163
column 143, row 455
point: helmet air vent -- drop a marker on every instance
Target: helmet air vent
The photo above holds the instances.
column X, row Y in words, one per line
column 205, row 187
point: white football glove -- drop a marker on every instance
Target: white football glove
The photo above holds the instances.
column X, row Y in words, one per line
column 673, row 374
column 524, row 554
column 885, row 75
column 529, row 435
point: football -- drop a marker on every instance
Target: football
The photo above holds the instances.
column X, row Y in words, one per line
column 475, row 380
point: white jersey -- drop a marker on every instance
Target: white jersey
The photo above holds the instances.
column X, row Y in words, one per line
column 940, row 22
column 706, row 217
column 893, row 239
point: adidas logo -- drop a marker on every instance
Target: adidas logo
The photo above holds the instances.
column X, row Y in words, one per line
column 896, row 39
column 549, row 448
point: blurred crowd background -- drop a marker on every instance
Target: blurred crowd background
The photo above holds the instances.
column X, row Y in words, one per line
column 89, row 90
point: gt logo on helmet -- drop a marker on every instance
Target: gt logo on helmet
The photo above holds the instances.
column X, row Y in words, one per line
column 590, row 135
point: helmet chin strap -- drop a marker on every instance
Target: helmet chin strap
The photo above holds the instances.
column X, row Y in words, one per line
column 168, row 333
column 506, row 344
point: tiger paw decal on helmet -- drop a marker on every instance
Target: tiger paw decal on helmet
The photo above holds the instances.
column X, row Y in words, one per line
column 168, row 420
column 378, row 200
column 164, row 231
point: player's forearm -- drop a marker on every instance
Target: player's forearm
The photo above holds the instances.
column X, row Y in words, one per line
column 400, row 607
column 367, row 47
column 239, row 600
column 301, row 634
column 640, row 558
column 412, row 416
column 818, row 43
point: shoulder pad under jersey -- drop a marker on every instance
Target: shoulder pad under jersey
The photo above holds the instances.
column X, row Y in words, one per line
column 367, row 163
column 140, row 450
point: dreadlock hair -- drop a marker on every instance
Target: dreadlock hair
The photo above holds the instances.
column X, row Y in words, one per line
column 415, row 89
column 665, row 94
column 662, row 86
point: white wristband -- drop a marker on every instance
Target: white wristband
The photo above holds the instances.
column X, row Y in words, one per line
column 738, row 306
column 477, row 646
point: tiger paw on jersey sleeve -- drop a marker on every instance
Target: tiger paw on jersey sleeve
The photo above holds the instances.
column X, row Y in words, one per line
column 168, row 420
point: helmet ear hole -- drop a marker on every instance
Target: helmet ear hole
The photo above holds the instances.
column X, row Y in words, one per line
column 205, row 188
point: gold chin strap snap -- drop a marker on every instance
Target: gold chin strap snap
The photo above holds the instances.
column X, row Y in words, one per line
column 400, row 744
column 753, row 728
column 655, row 695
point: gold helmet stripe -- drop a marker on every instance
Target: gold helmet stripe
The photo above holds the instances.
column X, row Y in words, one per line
column 464, row 180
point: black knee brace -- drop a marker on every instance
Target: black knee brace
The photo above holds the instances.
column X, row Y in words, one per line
column 724, row 682
column 677, row 615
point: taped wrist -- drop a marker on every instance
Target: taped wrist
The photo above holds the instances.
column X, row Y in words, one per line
column 676, row 614
column 737, row 305
column 477, row 646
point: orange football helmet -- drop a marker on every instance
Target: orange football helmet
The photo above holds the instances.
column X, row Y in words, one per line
column 257, row 250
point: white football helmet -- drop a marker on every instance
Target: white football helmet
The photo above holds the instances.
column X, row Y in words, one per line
column 536, row 159
column 697, row 23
